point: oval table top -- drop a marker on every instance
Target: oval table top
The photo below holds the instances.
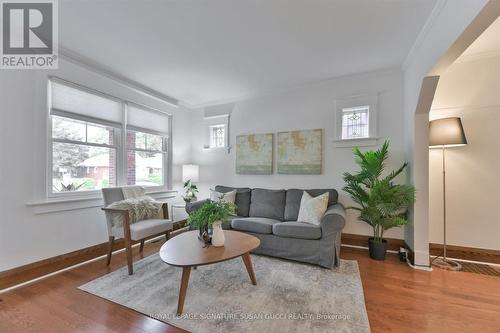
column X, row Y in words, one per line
column 187, row 250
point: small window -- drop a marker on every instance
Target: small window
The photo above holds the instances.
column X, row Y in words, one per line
column 217, row 136
column 83, row 155
column 355, row 122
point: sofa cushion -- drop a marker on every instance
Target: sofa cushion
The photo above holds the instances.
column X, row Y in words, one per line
column 242, row 200
column 312, row 209
column 268, row 203
column 293, row 197
column 300, row 230
column 259, row 225
column 226, row 225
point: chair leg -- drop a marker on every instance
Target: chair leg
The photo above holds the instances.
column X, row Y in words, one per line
column 111, row 240
column 128, row 250
column 141, row 247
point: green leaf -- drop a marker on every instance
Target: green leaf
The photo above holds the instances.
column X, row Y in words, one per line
column 381, row 203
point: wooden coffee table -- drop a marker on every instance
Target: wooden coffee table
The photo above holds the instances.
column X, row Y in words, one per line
column 186, row 251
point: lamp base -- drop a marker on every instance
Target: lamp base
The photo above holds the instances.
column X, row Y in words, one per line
column 447, row 264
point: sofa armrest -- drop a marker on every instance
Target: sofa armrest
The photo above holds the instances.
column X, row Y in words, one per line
column 334, row 219
column 192, row 206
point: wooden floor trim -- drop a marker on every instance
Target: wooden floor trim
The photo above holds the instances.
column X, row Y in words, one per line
column 44, row 267
column 41, row 268
column 393, row 244
column 466, row 253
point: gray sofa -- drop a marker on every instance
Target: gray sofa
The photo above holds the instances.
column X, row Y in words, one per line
column 271, row 216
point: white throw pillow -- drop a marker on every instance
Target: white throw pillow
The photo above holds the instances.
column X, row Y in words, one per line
column 312, row 209
column 226, row 197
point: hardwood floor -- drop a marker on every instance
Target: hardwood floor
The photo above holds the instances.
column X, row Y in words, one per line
column 398, row 299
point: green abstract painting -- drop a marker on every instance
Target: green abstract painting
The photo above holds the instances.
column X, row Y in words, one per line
column 254, row 154
column 300, row 152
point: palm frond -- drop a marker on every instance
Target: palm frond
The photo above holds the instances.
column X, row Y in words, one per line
column 395, row 173
column 381, row 203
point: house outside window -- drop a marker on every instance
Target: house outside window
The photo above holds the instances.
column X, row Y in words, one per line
column 145, row 155
column 83, row 155
column 99, row 141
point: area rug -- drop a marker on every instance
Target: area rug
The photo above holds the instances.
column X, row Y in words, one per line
column 288, row 297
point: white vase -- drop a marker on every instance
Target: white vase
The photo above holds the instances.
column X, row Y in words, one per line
column 218, row 238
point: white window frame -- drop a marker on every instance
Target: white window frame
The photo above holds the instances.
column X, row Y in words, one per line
column 165, row 153
column 213, row 143
column 352, row 111
column 120, row 141
column 360, row 101
column 116, row 145
column 208, row 124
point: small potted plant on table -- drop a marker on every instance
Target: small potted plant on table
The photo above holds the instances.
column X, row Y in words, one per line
column 191, row 190
column 210, row 217
column 380, row 202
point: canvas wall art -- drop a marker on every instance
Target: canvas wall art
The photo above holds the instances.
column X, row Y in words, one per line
column 300, row 152
column 254, row 154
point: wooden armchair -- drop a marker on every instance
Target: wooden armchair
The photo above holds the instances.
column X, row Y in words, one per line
column 138, row 231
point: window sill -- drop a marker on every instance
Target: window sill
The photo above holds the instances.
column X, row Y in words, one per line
column 215, row 148
column 61, row 203
column 350, row 143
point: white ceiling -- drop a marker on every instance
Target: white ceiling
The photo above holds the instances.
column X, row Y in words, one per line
column 209, row 52
column 488, row 43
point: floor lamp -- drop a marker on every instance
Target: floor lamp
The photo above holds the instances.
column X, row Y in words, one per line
column 445, row 133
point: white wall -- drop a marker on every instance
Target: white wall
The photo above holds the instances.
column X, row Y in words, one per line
column 468, row 90
column 26, row 235
column 446, row 23
column 305, row 108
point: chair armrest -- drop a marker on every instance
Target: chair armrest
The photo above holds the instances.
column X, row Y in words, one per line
column 192, row 206
column 164, row 207
column 334, row 219
column 115, row 210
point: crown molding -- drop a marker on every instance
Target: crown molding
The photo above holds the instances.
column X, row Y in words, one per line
column 429, row 23
column 105, row 71
column 271, row 92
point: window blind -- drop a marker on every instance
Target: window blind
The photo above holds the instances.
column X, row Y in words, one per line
column 69, row 100
column 141, row 118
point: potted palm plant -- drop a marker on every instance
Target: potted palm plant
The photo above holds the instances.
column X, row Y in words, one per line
column 209, row 217
column 381, row 203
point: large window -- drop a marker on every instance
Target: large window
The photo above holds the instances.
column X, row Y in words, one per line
column 100, row 141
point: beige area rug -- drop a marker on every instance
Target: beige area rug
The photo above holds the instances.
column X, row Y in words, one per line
column 288, row 297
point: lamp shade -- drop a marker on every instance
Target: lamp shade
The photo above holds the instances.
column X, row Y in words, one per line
column 190, row 172
column 446, row 132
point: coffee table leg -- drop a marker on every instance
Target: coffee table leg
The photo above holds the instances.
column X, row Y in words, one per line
column 249, row 266
column 182, row 292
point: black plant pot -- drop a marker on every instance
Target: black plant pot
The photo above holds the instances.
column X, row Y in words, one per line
column 377, row 249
